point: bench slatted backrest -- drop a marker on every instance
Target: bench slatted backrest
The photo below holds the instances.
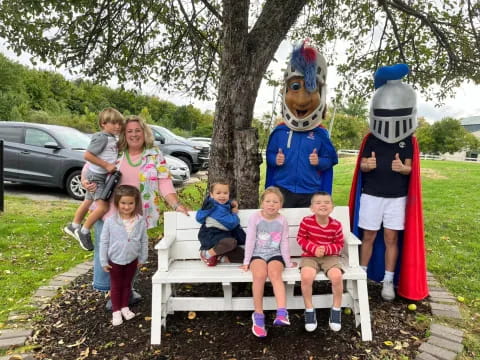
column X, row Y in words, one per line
column 185, row 229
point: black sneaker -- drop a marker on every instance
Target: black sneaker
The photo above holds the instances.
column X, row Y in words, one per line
column 335, row 320
column 85, row 240
column 310, row 320
column 70, row 230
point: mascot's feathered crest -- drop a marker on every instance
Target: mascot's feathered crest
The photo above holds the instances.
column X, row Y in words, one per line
column 304, row 60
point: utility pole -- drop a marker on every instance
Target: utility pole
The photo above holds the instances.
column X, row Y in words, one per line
column 1, row 177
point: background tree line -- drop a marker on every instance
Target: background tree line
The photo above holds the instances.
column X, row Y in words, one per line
column 47, row 97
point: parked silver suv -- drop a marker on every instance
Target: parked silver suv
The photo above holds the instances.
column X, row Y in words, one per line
column 194, row 154
column 47, row 155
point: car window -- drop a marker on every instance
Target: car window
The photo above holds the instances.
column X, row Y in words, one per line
column 36, row 137
column 13, row 134
column 72, row 138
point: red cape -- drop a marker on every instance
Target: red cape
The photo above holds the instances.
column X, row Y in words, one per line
column 411, row 272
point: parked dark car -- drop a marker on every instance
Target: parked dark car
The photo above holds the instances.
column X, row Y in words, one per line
column 195, row 155
column 46, row 155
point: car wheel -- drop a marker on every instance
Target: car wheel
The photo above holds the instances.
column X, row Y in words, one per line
column 186, row 161
column 74, row 185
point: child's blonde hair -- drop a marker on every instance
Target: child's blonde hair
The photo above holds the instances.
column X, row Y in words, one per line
column 110, row 115
column 272, row 190
column 128, row 190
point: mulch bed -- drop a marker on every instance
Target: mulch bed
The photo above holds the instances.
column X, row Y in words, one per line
column 76, row 326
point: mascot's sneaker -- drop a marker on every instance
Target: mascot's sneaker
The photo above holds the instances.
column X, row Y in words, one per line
column 258, row 326
column 388, row 292
column 310, row 320
column 282, row 318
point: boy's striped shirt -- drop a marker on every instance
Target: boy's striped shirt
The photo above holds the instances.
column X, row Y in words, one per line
column 311, row 235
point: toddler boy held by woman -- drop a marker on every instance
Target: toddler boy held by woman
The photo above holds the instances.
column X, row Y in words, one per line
column 101, row 156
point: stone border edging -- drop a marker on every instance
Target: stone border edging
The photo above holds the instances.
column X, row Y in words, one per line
column 444, row 343
column 21, row 328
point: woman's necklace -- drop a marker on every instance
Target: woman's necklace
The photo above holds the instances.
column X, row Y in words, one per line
column 127, row 155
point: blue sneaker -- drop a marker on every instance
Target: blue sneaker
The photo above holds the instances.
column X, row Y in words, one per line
column 310, row 320
column 335, row 320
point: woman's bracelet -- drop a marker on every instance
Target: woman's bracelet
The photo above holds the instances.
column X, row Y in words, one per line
column 176, row 205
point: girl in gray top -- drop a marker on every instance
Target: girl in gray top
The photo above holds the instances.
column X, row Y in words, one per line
column 123, row 248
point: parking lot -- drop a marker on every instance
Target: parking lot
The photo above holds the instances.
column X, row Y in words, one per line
column 43, row 193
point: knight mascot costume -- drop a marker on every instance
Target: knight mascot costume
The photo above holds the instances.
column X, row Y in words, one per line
column 300, row 155
column 385, row 198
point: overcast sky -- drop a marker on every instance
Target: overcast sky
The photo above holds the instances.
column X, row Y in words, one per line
column 465, row 103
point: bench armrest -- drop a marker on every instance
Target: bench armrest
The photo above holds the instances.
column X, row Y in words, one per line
column 165, row 242
column 163, row 251
column 351, row 250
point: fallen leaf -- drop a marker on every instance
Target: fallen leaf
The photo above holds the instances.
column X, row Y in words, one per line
column 79, row 342
column 388, row 343
column 148, row 318
column 15, row 357
column 192, row 315
column 189, row 330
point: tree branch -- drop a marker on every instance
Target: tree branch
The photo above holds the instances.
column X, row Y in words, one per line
column 212, row 9
column 395, row 30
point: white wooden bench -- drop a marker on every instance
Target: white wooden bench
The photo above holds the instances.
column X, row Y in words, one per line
column 179, row 263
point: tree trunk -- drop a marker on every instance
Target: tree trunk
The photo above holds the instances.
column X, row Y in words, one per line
column 244, row 59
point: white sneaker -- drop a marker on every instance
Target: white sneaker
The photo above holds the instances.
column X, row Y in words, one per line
column 388, row 292
column 127, row 313
column 117, row 318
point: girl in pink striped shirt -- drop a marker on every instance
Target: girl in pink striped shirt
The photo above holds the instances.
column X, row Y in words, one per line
column 321, row 240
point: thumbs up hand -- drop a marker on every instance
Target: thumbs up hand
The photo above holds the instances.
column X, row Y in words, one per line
column 313, row 158
column 397, row 164
column 280, row 159
column 372, row 161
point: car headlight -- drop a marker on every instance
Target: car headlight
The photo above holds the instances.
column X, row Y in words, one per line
column 198, row 147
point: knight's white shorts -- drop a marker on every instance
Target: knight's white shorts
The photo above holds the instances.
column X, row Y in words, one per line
column 374, row 210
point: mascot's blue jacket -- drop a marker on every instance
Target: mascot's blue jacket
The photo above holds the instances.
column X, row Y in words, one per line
column 297, row 175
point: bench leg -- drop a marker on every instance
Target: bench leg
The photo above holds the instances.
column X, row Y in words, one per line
column 156, row 327
column 227, row 295
column 366, row 326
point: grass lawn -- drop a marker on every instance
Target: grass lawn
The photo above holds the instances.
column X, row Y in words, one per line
column 33, row 248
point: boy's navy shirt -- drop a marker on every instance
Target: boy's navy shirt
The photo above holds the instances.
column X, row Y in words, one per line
column 220, row 212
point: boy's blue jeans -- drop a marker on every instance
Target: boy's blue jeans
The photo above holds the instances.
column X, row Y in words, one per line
column 101, row 279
